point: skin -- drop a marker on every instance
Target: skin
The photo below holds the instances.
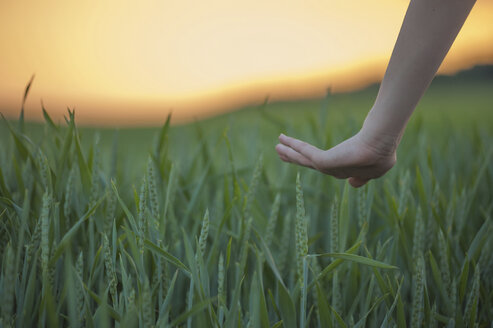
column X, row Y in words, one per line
column 427, row 33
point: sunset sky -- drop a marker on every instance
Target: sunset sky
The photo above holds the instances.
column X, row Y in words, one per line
column 130, row 62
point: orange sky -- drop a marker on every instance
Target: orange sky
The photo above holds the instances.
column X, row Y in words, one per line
column 129, row 62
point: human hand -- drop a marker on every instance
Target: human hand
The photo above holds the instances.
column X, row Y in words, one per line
column 358, row 159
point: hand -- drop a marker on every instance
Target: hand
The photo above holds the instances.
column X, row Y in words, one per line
column 359, row 158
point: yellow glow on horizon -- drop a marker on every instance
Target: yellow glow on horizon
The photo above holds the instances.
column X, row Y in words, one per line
column 119, row 62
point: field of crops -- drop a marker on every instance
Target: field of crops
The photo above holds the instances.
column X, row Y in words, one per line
column 201, row 225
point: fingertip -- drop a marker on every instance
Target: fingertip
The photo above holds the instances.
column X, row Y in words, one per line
column 279, row 148
column 281, row 151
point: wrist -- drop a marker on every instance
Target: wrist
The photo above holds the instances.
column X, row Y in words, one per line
column 375, row 133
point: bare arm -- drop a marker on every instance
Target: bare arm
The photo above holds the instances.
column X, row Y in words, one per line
column 427, row 33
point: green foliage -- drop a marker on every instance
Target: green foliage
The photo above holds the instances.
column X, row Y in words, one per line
column 206, row 227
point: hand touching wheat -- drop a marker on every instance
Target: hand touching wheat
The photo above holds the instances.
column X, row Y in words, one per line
column 356, row 158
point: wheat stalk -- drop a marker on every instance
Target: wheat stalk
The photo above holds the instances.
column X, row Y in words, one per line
column 418, row 301
column 67, row 204
column 147, row 307
column 252, row 189
column 110, row 268
column 418, row 238
column 444, row 264
column 44, row 170
column 152, row 188
column 271, row 223
column 300, row 228
column 204, row 232
column 45, row 228
column 142, row 224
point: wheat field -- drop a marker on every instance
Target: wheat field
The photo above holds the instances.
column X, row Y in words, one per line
column 201, row 225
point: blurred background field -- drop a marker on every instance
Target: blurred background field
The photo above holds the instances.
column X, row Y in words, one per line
column 453, row 106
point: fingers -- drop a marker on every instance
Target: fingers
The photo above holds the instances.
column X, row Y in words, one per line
column 357, row 182
column 289, row 155
column 301, row 147
column 342, row 161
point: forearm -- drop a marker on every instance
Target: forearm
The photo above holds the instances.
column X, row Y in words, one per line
column 427, row 33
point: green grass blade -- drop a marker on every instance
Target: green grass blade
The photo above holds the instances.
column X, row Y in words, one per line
column 358, row 259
